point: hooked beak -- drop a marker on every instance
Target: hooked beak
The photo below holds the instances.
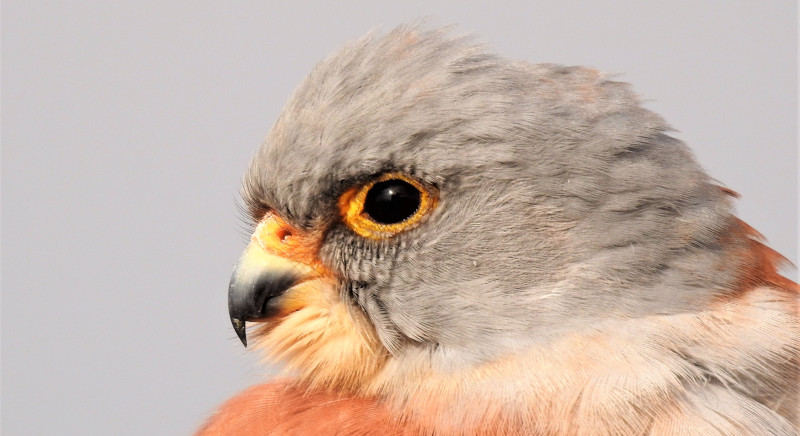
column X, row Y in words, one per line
column 277, row 258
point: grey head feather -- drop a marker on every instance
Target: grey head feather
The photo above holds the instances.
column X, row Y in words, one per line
column 563, row 202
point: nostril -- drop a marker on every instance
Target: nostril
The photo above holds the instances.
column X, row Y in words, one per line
column 284, row 234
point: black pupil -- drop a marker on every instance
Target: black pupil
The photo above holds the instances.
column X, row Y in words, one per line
column 391, row 201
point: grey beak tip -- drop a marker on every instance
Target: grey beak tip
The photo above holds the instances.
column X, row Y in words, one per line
column 251, row 290
column 239, row 328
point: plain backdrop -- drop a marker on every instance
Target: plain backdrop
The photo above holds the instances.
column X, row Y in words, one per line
column 126, row 127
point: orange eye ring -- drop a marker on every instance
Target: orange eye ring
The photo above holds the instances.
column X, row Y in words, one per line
column 352, row 201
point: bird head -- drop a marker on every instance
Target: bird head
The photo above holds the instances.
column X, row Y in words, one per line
column 424, row 201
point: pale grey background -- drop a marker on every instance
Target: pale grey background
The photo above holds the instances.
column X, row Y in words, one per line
column 126, row 127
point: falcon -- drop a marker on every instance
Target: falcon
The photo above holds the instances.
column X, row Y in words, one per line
column 447, row 242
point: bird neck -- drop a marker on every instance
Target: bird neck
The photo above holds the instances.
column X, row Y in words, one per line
column 627, row 369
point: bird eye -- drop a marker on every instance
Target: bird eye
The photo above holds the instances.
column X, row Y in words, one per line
column 386, row 206
column 391, row 201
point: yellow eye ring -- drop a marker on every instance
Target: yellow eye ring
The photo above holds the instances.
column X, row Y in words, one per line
column 353, row 201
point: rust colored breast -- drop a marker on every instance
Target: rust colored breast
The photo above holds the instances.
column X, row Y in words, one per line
column 278, row 408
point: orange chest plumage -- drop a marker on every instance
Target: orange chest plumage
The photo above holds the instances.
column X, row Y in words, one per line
column 278, row 408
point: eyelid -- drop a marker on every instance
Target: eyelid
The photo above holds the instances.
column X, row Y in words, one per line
column 351, row 208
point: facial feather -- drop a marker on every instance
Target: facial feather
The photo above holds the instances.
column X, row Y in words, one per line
column 580, row 273
column 536, row 164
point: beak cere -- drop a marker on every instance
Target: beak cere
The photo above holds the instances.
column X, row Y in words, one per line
column 269, row 267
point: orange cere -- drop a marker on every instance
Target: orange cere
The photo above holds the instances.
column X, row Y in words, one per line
column 276, row 236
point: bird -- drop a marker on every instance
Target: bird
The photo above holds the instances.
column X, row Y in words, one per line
column 449, row 242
